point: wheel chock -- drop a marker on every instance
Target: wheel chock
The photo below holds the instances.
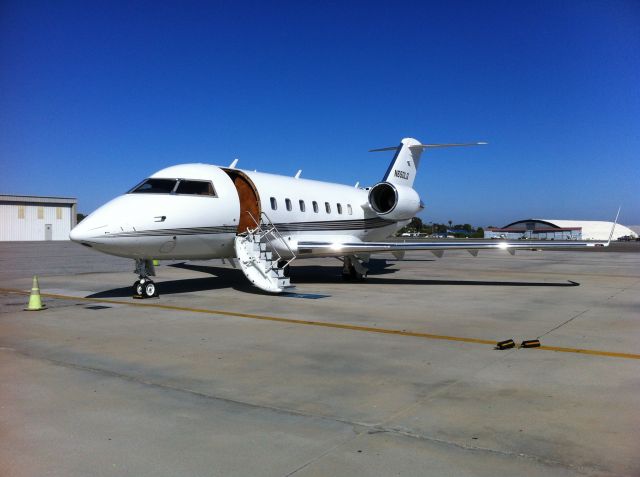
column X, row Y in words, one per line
column 506, row 344
column 530, row 344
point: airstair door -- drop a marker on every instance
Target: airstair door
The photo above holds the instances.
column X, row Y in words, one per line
column 249, row 200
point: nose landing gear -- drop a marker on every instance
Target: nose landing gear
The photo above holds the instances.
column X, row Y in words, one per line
column 144, row 287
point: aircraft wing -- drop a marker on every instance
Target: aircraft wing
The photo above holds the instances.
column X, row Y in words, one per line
column 437, row 247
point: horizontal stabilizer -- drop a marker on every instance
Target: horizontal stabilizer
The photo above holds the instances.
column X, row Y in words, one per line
column 429, row 146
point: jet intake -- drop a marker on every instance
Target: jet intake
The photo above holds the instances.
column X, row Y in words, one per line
column 394, row 202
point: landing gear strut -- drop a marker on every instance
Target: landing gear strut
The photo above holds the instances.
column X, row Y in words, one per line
column 353, row 269
column 144, row 287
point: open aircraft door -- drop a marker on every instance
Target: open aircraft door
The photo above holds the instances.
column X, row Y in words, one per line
column 250, row 209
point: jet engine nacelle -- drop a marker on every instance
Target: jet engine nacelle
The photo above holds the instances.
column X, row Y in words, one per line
column 394, row 202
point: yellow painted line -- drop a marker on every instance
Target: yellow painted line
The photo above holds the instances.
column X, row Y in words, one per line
column 592, row 352
column 324, row 324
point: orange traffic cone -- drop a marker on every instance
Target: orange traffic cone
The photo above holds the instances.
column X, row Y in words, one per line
column 35, row 303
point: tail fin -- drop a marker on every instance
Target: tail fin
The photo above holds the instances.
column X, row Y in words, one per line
column 404, row 165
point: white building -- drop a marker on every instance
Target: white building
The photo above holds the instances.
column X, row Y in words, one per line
column 552, row 229
column 36, row 218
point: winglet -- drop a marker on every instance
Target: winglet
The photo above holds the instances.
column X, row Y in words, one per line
column 233, row 164
column 615, row 222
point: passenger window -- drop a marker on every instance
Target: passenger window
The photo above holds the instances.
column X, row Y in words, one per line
column 274, row 204
column 287, row 203
column 349, row 209
column 303, row 207
column 339, row 206
column 327, row 207
column 154, row 186
column 190, row 187
column 315, row 206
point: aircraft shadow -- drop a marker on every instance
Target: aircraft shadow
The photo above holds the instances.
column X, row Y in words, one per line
column 413, row 260
column 223, row 277
column 402, row 281
column 377, row 268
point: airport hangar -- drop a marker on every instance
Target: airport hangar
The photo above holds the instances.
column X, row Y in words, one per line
column 552, row 229
column 26, row 217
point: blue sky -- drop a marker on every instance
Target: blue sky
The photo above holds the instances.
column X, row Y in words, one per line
column 95, row 96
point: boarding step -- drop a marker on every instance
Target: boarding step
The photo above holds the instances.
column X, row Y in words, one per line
column 257, row 263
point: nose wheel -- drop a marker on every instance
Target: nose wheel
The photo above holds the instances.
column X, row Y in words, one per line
column 144, row 288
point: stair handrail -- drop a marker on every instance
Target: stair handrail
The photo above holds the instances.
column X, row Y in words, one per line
column 270, row 230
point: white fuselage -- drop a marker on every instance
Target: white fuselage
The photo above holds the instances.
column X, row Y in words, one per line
column 176, row 225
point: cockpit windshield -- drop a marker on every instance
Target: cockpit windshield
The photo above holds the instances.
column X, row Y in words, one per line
column 174, row 186
column 155, row 186
column 195, row 188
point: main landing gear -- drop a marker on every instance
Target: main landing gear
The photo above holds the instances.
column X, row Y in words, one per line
column 144, row 287
column 354, row 269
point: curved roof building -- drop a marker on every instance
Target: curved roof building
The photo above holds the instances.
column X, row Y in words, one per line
column 553, row 229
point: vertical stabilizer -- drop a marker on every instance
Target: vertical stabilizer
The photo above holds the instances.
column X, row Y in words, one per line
column 403, row 167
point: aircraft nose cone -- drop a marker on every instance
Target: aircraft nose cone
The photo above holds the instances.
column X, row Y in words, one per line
column 77, row 234
column 89, row 229
column 96, row 229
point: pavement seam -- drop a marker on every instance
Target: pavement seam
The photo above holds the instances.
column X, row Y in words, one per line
column 620, row 291
column 564, row 323
column 169, row 387
column 541, row 460
column 370, row 428
column 424, row 399
column 323, row 454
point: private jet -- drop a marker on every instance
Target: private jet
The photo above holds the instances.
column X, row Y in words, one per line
column 262, row 222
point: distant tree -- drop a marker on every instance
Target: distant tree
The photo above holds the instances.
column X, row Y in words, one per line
column 416, row 224
column 450, row 222
column 80, row 218
column 479, row 233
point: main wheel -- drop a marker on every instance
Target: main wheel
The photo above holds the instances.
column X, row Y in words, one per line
column 149, row 289
column 138, row 288
column 355, row 275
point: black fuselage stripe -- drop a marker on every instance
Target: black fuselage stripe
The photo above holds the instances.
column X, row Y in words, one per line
column 333, row 225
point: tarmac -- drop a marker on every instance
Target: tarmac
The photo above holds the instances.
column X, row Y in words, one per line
column 396, row 375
